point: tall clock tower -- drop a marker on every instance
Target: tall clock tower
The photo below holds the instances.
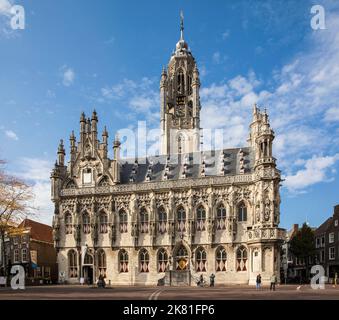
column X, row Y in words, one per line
column 180, row 101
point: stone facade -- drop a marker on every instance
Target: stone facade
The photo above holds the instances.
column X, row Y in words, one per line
column 181, row 214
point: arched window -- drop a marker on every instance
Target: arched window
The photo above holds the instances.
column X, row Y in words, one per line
column 123, row 261
column 123, row 220
column 144, row 260
column 181, row 219
column 70, row 185
column 181, row 82
column 143, row 221
column 220, row 259
column 221, row 217
column 103, row 223
column 72, row 264
column 201, row 218
column 162, row 220
column 162, row 260
column 102, row 263
column 242, row 259
column 104, row 182
column 189, row 84
column 88, row 260
column 68, row 223
column 200, row 260
column 242, row 212
column 86, row 223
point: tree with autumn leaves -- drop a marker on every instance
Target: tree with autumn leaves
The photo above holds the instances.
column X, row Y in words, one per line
column 15, row 205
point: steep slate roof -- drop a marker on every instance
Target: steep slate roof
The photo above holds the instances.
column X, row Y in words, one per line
column 213, row 164
column 38, row 231
column 323, row 227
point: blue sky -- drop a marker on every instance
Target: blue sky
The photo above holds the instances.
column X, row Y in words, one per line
column 79, row 55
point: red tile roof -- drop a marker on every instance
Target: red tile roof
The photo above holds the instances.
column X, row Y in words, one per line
column 38, row 231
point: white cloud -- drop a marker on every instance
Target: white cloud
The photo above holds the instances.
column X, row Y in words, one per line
column 37, row 172
column 11, row 135
column 5, row 7
column 141, row 97
column 35, row 169
column 68, row 76
column 314, row 171
column 332, row 114
column 297, row 96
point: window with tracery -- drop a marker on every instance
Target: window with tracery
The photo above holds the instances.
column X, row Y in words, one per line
column 201, row 219
column 221, row 217
column 143, row 221
column 200, row 260
column 72, row 264
column 144, row 260
column 86, row 223
column 221, row 259
column 242, row 212
column 181, row 219
column 242, row 259
column 162, row 220
column 123, row 221
column 102, row 263
column 123, row 261
column 103, row 223
column 162, row 260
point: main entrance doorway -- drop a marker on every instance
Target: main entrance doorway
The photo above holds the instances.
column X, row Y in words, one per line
column 87, row 269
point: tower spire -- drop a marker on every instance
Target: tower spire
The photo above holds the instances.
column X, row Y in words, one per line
column 181, row 25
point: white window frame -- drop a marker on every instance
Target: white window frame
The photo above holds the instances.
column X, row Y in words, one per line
column 336, row 222
column 16, row 257
column 331, row 237
column 24, row 255
column 331, row 253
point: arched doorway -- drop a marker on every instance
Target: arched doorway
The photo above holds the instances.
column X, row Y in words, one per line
column 87, row 269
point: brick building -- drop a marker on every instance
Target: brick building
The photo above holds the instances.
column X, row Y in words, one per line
column 327, row 244
column 32, row 247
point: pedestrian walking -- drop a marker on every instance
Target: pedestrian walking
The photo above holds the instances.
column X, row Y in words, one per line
column 201, row 281
column 212, row 276
column 273, row 282
column 258, row 282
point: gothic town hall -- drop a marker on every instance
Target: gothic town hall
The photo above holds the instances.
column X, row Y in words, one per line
column 170, row 218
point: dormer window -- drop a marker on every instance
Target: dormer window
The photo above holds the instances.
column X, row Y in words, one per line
column 87, row 176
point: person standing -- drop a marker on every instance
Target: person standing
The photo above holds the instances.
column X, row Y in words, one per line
column 258, row 282
column 273, row 282
column 212, row 276
column 201, row 281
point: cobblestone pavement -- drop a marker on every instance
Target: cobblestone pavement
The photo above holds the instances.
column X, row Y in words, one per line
column 283, row 292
